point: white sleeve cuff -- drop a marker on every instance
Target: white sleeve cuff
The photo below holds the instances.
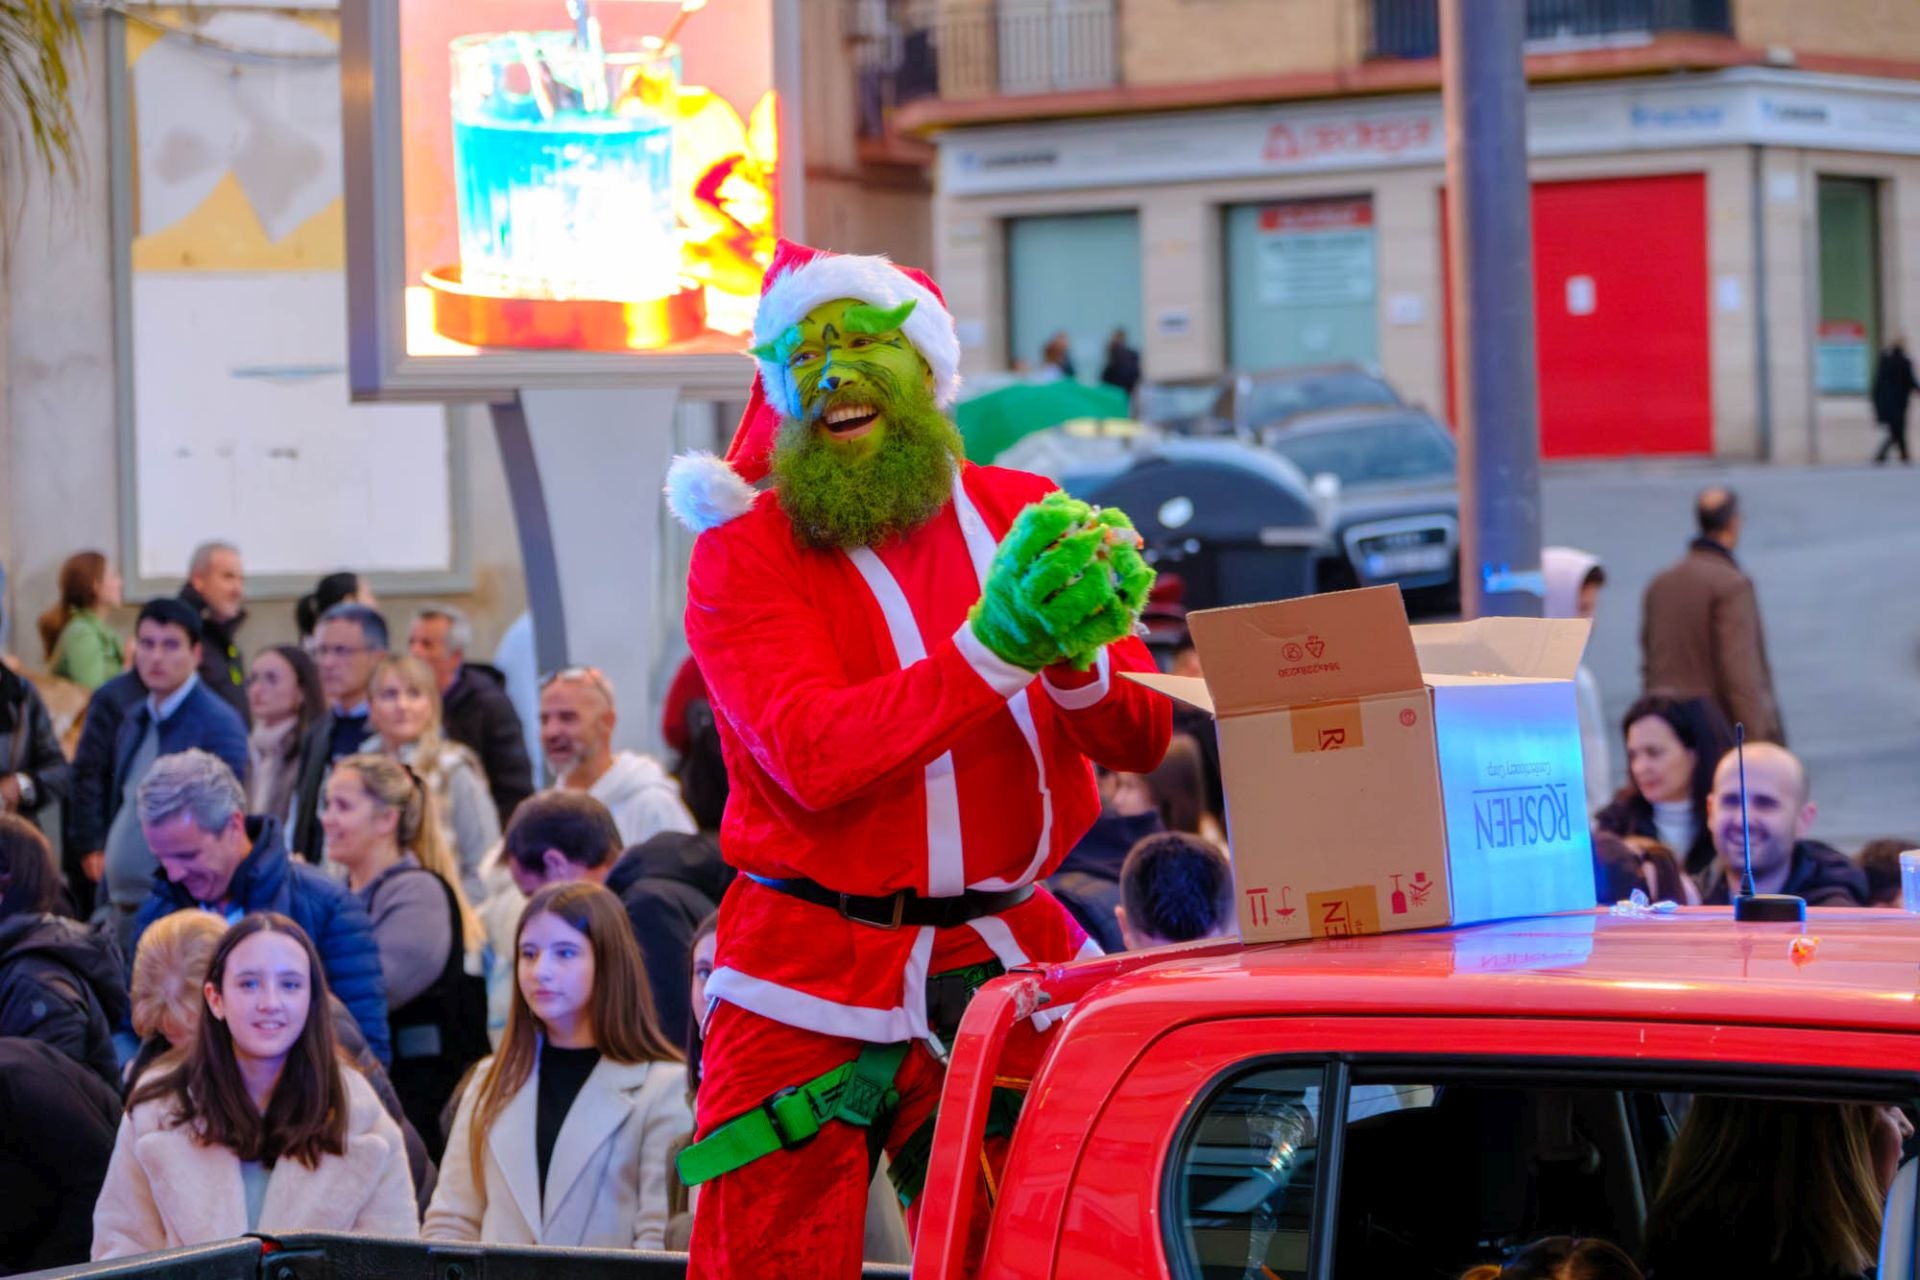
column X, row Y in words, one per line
column 1003, row 677
column 1086, row 695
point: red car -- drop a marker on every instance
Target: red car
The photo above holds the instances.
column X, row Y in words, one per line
column 1413, row 1104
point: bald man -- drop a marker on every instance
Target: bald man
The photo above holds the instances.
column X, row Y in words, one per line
column 1700, row 634
column 1780, row 810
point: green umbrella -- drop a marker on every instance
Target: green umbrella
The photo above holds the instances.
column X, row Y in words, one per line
column 1000, row 419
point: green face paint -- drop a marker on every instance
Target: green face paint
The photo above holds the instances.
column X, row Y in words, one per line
column 872, row 455
column 844, row 360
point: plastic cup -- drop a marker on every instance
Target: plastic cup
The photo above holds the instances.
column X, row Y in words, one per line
column 563, row 158
column 1910, row 879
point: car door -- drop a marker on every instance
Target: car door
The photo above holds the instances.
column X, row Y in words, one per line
column 1322, row 1148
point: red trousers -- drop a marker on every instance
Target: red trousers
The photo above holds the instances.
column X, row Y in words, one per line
column 797, row 1214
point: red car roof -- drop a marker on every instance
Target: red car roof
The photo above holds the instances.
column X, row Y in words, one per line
column 1845, row 968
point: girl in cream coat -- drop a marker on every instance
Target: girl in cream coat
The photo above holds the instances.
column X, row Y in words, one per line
column 260, row 1127
column 614, row 1103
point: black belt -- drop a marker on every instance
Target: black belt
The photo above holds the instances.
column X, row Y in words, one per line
column 890, row 911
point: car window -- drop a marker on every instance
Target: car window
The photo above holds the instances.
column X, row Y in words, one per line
column 1442, row 1174
column 1179, row 406
column 1275, row 400
column 1373, row 453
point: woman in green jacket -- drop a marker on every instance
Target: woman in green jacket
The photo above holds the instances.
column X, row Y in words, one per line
column 81, row 647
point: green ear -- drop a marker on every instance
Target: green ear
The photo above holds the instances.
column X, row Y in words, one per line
column 873, row 320
column 779, row 348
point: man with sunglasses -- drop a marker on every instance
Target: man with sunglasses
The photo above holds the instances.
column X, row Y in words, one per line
column 911, row 661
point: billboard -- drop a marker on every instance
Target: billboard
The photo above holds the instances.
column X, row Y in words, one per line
column 561, row 192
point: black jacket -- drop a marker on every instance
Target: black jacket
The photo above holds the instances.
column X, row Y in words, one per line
column 669, row 884
column 1629, row 814
column 88, row 816
column 57, row 1127
column 64, row 984
column 24, row 721
column 1893, row 383
column 1820, row 873
column 477, row 711
column 1088, row 881
column 221, row 667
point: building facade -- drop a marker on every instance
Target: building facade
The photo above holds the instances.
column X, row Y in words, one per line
column 1725, row 200
column 93, row 445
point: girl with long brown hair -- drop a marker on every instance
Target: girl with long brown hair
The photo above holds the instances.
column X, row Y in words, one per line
column 259, row 1126
column 382, row 828
column 562, row 1138
column 80, row 646
column 1771, row 1189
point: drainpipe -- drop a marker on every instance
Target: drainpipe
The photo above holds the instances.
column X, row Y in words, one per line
column 1762, row 366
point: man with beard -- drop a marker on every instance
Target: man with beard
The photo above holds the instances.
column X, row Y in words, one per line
column 912, row 663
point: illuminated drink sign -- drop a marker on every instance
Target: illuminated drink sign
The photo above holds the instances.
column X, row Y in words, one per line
column 562, row 192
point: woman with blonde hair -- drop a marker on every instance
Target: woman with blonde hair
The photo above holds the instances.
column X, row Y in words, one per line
column 563, row 1137
column 405, row 714
column 80, row 646
column 381, row 828
column 169, row 969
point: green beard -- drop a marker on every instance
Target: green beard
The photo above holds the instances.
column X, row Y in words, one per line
column 841, row 496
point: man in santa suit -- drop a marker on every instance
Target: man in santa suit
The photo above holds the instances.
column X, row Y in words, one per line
column 913, row 662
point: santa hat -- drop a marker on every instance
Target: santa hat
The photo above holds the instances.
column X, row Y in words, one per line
column 705, row 491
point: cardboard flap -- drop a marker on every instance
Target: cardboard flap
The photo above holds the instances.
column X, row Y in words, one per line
column 1191, row 690
column 1531, row 648
column 1346, row 644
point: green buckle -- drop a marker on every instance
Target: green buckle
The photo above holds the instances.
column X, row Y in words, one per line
column 791, row 1113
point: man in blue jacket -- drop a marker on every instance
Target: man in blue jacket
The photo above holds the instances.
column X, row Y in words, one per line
column 213, row 857
column 178, row 712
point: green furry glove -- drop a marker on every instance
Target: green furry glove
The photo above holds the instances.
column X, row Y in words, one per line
column 1067, row 580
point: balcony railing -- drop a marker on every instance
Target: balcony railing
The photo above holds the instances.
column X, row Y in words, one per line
column 912, row 49
column 1411, row 28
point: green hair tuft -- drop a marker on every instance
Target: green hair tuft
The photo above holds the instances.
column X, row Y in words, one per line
column 862, row 318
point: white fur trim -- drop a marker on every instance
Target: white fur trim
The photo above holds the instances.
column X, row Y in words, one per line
column 1086, row 695
column 704, row 492
column 871, row 279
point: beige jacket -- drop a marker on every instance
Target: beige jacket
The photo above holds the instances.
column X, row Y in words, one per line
column 164, row 1190
column 607, row 1183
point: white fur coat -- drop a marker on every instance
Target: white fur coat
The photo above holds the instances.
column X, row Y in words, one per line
column 164, row 1189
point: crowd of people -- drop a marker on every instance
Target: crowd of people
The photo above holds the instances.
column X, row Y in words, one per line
column 327, row 959
column 330, row 961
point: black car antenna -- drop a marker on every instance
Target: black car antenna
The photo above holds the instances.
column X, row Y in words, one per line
column 1750, row 907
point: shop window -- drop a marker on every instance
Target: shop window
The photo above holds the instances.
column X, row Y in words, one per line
column 1077, row 274
column 1849, row 330
column 1301, row 284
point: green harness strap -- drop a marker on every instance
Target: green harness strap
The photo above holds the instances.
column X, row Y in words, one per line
column 858, row 1092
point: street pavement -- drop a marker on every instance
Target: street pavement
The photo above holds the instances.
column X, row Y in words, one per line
column 1834, row 553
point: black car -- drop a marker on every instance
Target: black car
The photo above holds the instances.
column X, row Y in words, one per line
column 1390, row 472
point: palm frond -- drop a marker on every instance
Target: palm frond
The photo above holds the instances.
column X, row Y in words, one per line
column 38, row 40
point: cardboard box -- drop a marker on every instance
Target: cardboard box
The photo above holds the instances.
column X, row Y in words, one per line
column 1382, row 777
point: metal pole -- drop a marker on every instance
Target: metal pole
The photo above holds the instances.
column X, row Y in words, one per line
column 1490, row 246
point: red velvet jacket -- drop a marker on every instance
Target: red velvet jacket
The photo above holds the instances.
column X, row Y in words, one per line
column 874, row 744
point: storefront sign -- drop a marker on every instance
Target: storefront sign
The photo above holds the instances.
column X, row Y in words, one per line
column 1840, row 358
column 1759, row 106
column 1317, row 253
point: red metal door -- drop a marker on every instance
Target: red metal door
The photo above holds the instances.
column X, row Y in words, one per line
column 1620, row 304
